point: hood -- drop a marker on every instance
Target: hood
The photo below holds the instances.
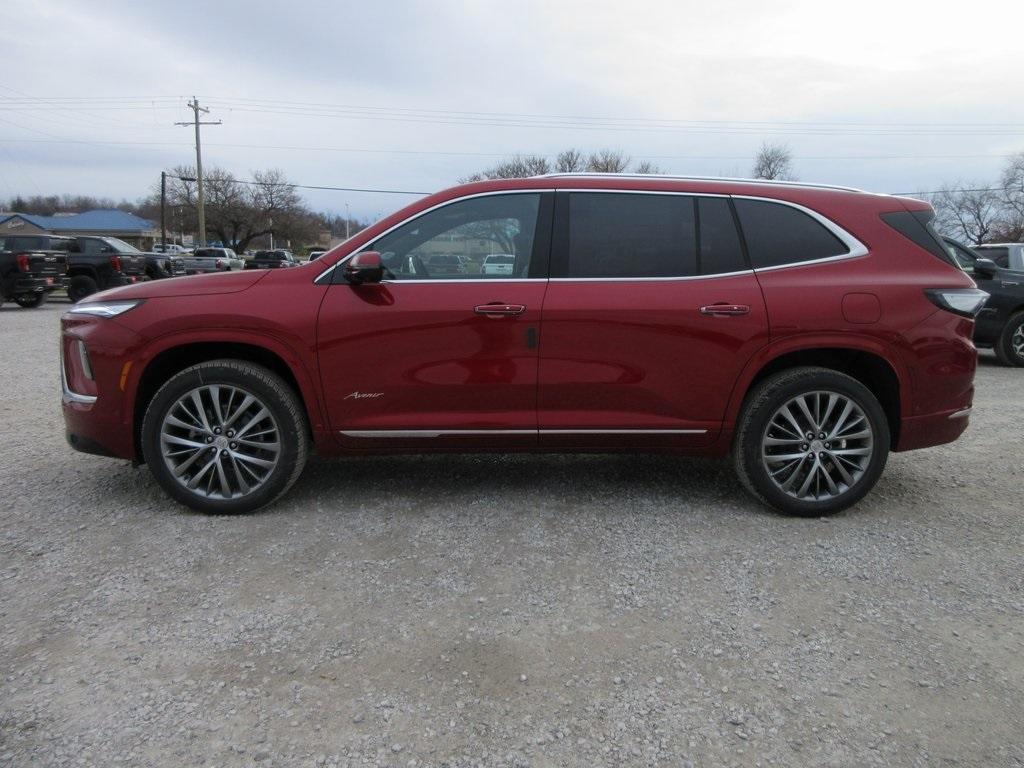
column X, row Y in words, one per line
column 193, row 285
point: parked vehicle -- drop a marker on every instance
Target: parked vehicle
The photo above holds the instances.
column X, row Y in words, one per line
column 30, row 267
column 98, row 263
column 1005, row 255
column 442, row 264
column 161, row 265
column 171, row 248
column 1000, row 323
column 498, row 264
column 314, row 255
column 276, row 259
column 205, row 260
column 652, row 314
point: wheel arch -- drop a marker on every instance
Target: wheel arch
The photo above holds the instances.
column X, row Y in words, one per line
column 867, row 364
column 175, row 354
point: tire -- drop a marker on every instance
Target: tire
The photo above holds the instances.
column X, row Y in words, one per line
column 31, row 301
column 766, row 442
column 1009, row 348
column 249, row 484
column 80, row 287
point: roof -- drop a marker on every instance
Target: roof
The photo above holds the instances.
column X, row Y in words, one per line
column 100, row 220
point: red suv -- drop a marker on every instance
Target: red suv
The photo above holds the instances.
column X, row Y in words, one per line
column 809, row 330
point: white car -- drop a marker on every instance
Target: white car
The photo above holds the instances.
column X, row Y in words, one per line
column 171, row 249
column 499, row 264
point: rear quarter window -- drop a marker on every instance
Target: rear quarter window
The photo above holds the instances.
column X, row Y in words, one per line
column 916, row 226
column 778, row 234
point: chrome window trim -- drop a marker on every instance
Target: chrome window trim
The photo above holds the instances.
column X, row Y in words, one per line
column 66, row 391
column 854, row 247
column 672, row 177
column 647, row 279
column 403, row 222
column 428, row 433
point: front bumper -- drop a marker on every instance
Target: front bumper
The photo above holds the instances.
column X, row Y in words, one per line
column 96, row 418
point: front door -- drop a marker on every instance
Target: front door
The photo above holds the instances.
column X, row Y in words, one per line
column 442, row 352
column 651, row 313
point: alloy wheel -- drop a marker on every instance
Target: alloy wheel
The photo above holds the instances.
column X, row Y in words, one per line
column 220, row 441
column 1017, row 341
column 817, row 445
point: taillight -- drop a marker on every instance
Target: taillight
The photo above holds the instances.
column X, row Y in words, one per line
column 115, row 263
column 218, row 264
column 22, row 259
column 966, row 302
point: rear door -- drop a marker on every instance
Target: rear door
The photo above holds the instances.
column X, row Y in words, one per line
column 650, row 315
column 441, row 359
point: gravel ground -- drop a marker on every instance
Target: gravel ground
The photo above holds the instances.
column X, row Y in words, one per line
column 505, row 610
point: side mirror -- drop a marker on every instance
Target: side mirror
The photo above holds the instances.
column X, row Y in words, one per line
column 985, row 267
column 364, row 268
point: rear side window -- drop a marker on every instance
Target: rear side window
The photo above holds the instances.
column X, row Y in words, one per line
column 613, row 235
column 779, row 234
column 916, row 226
column 720, row 248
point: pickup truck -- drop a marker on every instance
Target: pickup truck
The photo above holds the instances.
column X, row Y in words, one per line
column 211, row 260
column 98, row 263
column 28, row 273
column 1000, row 323
column 1005, row 255
column 276, row 259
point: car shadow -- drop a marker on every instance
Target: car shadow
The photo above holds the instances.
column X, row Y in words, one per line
column 519, row 481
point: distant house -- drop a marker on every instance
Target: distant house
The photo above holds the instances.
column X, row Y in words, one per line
column 141, row 233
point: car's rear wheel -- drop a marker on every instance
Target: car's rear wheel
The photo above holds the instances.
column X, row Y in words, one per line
column 225, row 437
column 1010, row 346
column 811, row 441
column 31, row 301
column 80, row 287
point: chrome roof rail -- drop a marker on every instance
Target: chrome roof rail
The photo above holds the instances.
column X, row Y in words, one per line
column 670, row 177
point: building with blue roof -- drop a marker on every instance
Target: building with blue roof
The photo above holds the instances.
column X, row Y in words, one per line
column 110, row 222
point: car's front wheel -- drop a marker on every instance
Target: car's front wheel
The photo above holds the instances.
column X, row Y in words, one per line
column 225, row 436
column 811, row 441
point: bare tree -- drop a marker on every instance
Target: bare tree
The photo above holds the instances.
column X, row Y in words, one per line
column 773, row 161
column 518, row 167
column 647, row 167
column 1010, row 226
column 968, row 212
column 238, row 212
column 570, row 161
column 607, row 161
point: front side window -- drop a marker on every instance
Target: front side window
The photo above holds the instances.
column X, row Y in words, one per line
column 779, row 234
column 454, row 241
column 624, row 235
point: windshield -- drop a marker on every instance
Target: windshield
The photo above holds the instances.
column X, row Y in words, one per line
column 120, row 245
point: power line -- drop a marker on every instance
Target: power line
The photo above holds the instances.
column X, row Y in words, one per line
column 454, row 153
column 315, row 186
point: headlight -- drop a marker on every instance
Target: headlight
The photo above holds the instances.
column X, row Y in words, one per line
column 104, row 308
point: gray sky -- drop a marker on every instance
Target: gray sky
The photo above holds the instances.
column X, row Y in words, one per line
column 411, row 96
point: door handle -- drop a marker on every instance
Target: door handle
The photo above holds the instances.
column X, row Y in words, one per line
column 725, row 310
column 497, row 309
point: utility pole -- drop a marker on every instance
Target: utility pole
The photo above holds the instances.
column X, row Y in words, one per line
column 163, row 210
column 347, row 218
column 196, row 109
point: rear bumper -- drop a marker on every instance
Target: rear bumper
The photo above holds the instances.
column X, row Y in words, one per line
column 26, row 286
column 933, row 429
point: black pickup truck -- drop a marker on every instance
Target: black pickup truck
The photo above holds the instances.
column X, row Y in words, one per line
column 1000, row 324
column 98, row 263
column 276, row 259
column 27, row 272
